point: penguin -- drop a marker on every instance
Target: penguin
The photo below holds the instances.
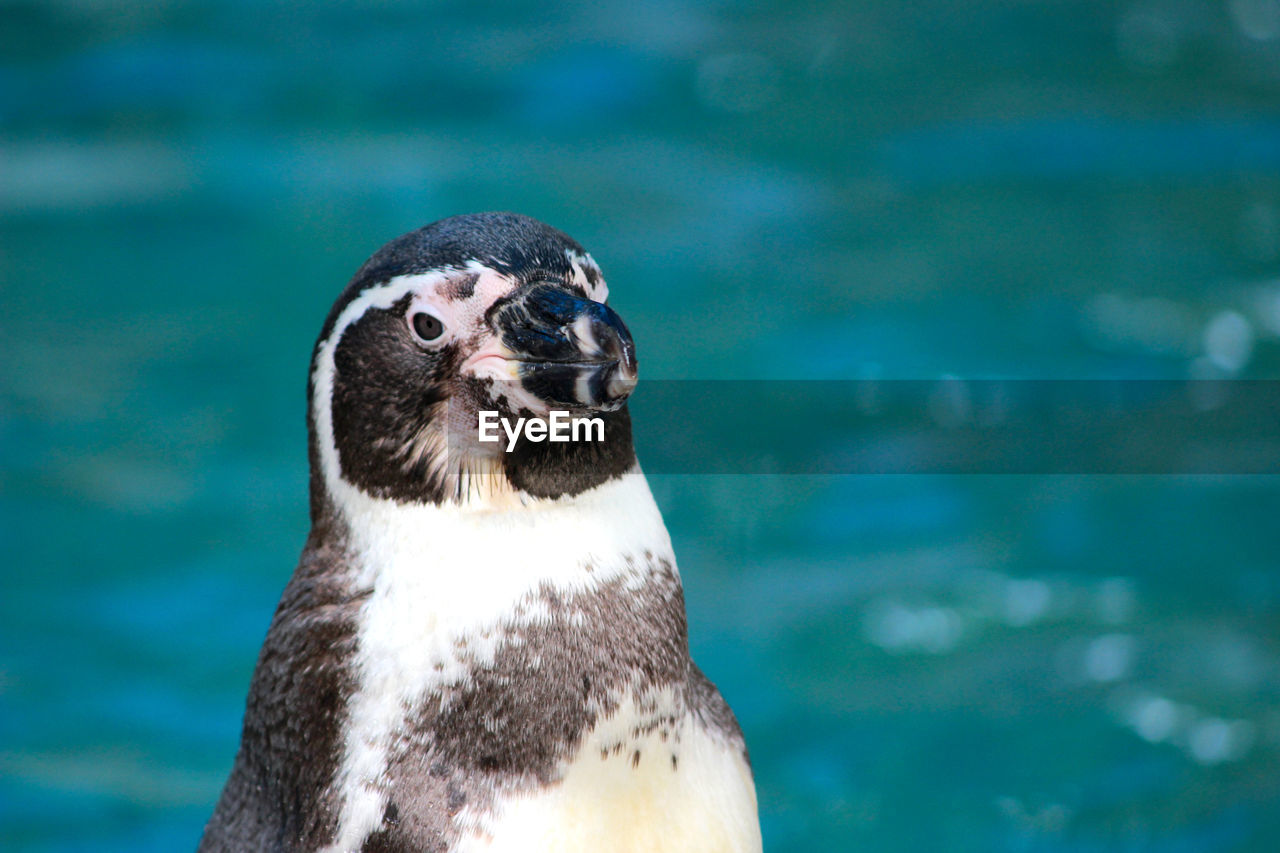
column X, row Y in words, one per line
column 484, row 645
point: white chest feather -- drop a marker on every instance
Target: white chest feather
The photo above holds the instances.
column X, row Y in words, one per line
column 633, row 800
column 443, row 579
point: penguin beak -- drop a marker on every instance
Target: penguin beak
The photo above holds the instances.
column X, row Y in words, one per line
column 567, row 350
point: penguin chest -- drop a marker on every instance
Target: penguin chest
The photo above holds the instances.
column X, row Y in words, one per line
column 631, row 786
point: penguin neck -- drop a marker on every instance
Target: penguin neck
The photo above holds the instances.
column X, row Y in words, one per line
column 532, row 475
column 480, row 559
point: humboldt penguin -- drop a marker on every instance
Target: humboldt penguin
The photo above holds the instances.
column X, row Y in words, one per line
column 484, row 644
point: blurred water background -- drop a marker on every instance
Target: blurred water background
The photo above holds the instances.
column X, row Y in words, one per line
column 1066, row 190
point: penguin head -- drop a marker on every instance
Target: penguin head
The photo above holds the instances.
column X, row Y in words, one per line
column 489, row 313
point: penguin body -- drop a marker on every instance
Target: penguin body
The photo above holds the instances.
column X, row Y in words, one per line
column 480, row 650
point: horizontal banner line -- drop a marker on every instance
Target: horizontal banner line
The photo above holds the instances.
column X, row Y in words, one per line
column 955, row 426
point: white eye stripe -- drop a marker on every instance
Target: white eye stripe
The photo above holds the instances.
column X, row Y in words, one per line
column 463, row 321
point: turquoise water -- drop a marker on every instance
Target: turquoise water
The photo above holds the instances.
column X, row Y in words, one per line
column 791, row 190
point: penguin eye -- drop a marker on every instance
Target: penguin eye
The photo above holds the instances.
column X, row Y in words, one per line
column 426, row 326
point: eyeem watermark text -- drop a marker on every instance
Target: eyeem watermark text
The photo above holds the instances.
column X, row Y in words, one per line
column 558, row 426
